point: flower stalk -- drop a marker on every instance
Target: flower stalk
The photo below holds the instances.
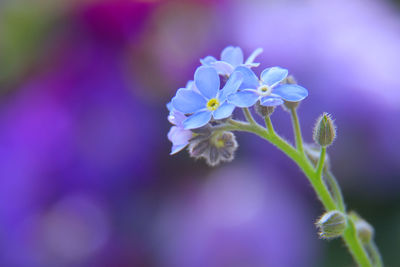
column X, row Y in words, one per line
column 201, row 114
column 331, row 198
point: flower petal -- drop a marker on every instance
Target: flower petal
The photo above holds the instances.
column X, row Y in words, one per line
column 250, row 80
column 179, row 136
column 243, row 99
column 252, row 57
column 197, row 120
column 177, row 148
column 223, row 68
column 252, row 65
column 207, row 61
column 224, row 111
column 207, row 81
column 231, row 86
column 291, row 92
column 188, row 101
column 176, row 117
column 273, row 76
column 271, row 101
column 232, row 55
column 169, row 106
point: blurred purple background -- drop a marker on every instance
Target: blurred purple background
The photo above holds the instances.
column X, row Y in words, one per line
column 86, row 179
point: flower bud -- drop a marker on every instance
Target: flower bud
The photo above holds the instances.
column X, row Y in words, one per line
column 264, row 111
column 332, row 224
column 324, row 130
column 214, row 148
column 364, row 231
column 289, row 104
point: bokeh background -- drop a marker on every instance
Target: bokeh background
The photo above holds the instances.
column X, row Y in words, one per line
column 85, row 175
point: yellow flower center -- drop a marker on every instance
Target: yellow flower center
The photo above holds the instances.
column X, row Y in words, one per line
column 212, row 104
column 264, row 90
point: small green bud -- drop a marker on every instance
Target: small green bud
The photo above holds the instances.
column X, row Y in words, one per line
column 332, row 224
column 288, row 105
column 263, row 111
column 324, row 130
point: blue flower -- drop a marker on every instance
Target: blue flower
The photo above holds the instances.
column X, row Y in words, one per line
column 231, row 58
column 206, row 101
column 178, row 136
column 268, row 90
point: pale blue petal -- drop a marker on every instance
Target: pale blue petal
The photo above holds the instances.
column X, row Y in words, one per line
column 232, row 55
column 224, row 111
column 177, row 148
column 207, row 61
column 291, row 92
column 252, row 65
column 273, row 76
column 189, row 84
column 223, row 68
column 207, row 81
column 197, row 120
column 179, row 136
column 252, row 57
column 271, row 101
column 176, row 117
column 169, row 105
column 232, row 85
column 188, row 101
column 250, row 80
column 243, row 98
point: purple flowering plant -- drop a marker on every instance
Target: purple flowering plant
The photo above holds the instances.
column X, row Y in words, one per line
column 202, row 115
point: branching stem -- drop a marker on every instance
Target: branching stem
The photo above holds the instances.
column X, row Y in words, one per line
column 330, row 201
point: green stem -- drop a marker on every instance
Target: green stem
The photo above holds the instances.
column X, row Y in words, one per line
column 297, row 130
column 321, row 162
column 248, row 116
column 314, row 176
column 335, row 190
column 269, row 125
column 300, row 159
column 355, row 246
column 374, row 253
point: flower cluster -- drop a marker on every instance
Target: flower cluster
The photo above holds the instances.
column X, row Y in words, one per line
column 218, row 87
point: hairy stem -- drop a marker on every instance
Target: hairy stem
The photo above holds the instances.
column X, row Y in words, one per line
column 335, row 190
column 350, row 237
column 269, row 125
column 321, row 162
column 248, row 116
column 374, row 253
column 297, row 130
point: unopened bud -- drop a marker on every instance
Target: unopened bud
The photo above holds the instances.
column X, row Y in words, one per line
column 324, row 130
column 364, row 231
column 214, row 148
column 264, row 111
column 289, row 104
column 332, row 224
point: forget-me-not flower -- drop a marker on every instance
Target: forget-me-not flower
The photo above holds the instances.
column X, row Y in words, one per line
column 178, row 136
column 207, row 101
column 231, row 58
column 268, row 90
